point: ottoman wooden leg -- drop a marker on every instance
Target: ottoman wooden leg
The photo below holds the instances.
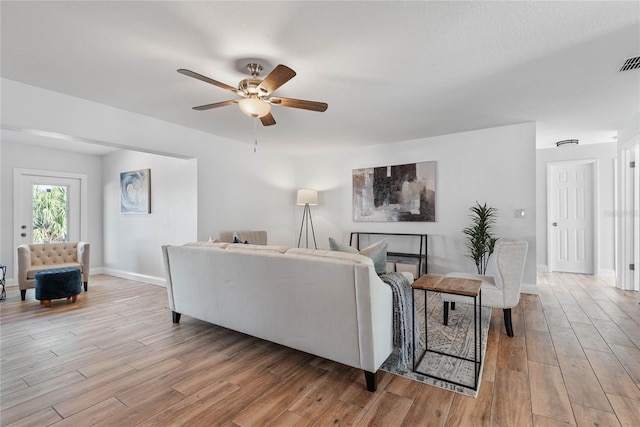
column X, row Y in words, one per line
column 47, row 302
column 74, row 299
column 41, row 302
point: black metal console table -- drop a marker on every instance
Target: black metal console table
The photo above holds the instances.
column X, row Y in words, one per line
column 421, row 256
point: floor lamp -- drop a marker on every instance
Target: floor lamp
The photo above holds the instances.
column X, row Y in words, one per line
column 307, row 198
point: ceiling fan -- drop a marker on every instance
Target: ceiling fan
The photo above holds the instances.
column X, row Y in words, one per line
column 256, row 94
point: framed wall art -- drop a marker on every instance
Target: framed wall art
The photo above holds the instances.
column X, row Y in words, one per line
column 135, row 192
column 395, row 193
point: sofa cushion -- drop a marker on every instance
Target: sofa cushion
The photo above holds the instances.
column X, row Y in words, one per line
column 213, row 245
column 31, row 272
column 54, row 253
column 335, row 255
column 256, row 248
column 377, row 252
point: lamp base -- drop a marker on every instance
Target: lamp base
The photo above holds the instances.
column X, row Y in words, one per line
column 306, row 219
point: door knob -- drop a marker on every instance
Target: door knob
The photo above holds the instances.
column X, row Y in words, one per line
column 23, row 234
column 555, row 224
column 24, row 227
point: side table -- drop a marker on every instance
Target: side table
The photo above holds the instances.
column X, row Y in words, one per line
column 458, row 286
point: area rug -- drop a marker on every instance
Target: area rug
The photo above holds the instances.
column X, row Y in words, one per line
column 456, row 338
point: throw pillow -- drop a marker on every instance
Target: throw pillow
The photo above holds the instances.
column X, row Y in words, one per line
column 377, row 252
column 341, row 247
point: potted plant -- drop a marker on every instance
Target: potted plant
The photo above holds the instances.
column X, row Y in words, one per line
column 480, row 241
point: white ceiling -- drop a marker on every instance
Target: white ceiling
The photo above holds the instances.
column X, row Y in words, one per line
column 390, row 71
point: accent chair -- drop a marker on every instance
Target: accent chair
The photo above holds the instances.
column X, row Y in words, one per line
column 501, row 290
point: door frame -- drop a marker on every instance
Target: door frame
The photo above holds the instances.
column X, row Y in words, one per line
column 595, row 202
column 18, row 174
column 628, row 218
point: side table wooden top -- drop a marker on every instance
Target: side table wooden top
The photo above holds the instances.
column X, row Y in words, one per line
column 450, row 285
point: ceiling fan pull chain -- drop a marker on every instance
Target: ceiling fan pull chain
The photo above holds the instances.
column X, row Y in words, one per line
column 255, row 130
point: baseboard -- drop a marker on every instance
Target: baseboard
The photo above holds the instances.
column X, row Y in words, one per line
column 153, row 280
column 606, row 272
column 158, row 281
column 602, row 272
column 529, row 288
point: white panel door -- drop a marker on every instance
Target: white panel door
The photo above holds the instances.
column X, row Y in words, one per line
column 570, row 217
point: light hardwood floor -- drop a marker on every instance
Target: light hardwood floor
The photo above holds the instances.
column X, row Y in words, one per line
column 115, row 359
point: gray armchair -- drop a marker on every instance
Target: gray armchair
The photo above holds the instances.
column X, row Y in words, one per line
column 501, row 290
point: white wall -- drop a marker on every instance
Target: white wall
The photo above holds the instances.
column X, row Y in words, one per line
column 133, row 241
column 242, row 190
column 630, row 132
column 605, row 154
column 17, row 155
column 496, row 166
column 237, row 188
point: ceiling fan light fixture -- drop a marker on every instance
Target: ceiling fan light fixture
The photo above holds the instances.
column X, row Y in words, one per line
column 254, row 107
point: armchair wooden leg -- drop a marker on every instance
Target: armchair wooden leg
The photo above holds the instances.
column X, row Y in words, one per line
column 453, row 305
column 507, row 321
column 445, row 317
column 86, row 285
column 23, row 294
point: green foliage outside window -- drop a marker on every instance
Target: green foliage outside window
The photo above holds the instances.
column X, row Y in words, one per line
column 49, row 214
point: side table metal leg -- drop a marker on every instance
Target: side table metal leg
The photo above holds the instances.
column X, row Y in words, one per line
column 413, row 327
column 426, row 330
column 475, row 342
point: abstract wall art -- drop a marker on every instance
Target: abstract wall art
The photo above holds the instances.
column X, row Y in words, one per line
column 135, row 192
column 395, row 193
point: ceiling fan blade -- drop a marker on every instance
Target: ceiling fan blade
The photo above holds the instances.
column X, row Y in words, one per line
column 216, row 105
column 279, row 76
column 207, row 80
column 300, row 103
column 268, row 120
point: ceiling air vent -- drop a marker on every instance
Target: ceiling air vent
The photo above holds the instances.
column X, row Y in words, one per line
column 631, row 64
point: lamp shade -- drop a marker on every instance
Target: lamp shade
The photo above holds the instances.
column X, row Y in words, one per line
column 307, row 197
column 254, row 107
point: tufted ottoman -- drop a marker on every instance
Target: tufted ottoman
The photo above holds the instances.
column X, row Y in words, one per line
column 58, row 283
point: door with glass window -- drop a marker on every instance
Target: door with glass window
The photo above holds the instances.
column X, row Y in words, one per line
column 48, row 209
